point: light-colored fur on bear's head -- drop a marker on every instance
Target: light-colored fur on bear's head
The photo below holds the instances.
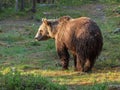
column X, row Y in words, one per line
column 49, row 28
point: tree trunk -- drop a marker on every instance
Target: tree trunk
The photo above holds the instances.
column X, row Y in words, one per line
column 53, row 1
column 34, row 6
column 0, row 7
column 16, row 5
column 22, row 5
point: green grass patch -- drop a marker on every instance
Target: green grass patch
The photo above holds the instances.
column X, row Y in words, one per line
column 14, row 80
column 103, row 86
column 9, row 37
column 7, row 12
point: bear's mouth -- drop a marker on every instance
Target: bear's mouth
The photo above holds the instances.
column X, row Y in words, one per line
column 42, row 38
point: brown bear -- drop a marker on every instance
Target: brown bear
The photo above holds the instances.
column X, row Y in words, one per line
column 81, row 36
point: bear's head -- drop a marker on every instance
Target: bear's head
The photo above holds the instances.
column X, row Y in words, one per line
column 45, row 30
column 49, row 28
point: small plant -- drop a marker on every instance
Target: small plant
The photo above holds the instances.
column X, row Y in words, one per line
column 117, row 10
column 102, row 86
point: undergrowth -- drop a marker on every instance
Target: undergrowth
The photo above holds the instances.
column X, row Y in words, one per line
column 14, row 80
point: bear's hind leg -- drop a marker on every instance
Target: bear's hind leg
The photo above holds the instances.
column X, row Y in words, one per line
column 88, row 65
column 80, row 63
column 75, row 62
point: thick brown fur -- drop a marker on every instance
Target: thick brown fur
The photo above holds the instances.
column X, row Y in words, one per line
column 82, row 37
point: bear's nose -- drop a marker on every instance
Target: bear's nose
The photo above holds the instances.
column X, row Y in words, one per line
column 35, row 37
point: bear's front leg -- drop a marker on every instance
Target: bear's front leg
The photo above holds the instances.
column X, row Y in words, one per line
column 64, row 56
column 65, row 63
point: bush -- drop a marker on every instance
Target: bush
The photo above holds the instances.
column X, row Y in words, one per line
column 6, row 3
column 17, row 81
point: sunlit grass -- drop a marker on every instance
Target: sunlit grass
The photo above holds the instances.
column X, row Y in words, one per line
column 76, row 78
column 100, row 79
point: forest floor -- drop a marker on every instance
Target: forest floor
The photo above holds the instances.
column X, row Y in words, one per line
column 18, row 49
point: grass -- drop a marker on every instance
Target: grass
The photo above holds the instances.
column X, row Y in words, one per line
column 14, row 80
column 59, row 9
column 34, row 65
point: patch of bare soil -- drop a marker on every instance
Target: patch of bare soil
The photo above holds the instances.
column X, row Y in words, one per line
column 93, row 10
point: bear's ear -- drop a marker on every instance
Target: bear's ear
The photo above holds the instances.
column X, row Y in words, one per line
column 44, row 20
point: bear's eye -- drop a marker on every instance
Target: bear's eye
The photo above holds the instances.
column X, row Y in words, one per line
column 41, row 31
